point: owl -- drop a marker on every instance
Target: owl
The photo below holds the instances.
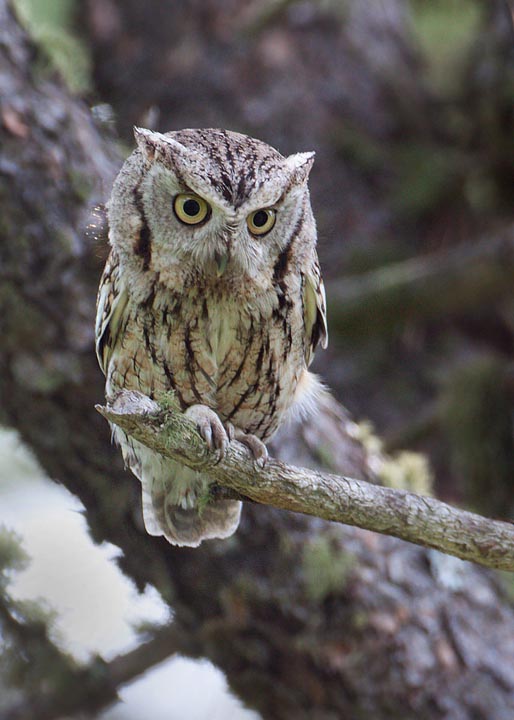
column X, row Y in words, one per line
column 212, row 290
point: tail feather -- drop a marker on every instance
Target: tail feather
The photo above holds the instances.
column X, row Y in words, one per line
column 152, row 524
column 189, row 526
column 165, row 486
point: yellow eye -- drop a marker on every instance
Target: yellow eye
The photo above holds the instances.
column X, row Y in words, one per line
column 191, row 209
column 260, row 222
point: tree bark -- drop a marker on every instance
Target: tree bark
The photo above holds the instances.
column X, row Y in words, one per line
column 308, row 620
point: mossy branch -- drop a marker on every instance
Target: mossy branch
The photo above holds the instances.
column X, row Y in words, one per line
column 418, row 519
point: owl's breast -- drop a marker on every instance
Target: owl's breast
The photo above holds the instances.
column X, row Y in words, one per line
column 241, row 357
column 258, row 361
column 224, row 328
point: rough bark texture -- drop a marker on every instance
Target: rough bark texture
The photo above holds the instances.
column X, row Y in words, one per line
column 307, row 620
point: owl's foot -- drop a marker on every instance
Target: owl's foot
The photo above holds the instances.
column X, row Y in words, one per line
column 218, row 436
column 252, row 442
column 210, row 427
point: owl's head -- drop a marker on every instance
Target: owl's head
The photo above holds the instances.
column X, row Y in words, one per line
column 215, row 201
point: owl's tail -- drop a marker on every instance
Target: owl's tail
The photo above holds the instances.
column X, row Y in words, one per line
column 165, row 484
column 187, row 526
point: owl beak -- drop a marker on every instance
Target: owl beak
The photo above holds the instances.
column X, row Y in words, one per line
column 221, row 260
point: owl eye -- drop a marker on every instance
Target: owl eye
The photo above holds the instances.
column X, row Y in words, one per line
column 260, row 222
column 191, row 209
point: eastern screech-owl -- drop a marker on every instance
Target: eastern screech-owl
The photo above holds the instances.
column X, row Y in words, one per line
column 212, row 290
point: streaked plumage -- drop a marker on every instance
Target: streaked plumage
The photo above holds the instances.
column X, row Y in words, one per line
column 226, row 318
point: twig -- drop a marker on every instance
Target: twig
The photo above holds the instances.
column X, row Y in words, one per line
column 418, row 519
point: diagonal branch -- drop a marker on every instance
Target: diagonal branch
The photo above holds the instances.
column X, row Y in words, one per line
column 418, row 519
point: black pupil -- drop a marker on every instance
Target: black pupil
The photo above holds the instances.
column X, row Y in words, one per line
column 191, row 207
column 260, row 218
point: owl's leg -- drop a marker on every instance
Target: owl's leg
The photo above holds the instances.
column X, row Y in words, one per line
column 210, row 427
column 252, row 442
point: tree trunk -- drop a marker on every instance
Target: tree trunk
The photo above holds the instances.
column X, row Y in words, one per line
column 307, row 619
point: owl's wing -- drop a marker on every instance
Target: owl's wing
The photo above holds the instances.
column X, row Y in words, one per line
column 110, row 310
column 314, row 311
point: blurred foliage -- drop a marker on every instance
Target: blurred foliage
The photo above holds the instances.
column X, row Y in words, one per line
column 407, row 470
column 51, row 24
column 326, row 568
column 446, row 31
column 12, row 556
column 477, row 417
column 29, row 657
column 507, row 582
column 425, row 176
column 404, row 470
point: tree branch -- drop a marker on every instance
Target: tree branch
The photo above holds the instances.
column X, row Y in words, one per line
column 421, row 520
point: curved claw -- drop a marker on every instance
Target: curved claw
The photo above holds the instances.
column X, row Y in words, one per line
column 218, row 436
column 256, row 446
column 210, row 427
column 230, row 430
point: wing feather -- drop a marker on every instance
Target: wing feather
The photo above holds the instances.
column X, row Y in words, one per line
column 314, row 311
column 110, row 310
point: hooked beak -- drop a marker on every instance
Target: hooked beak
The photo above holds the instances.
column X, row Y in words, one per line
column 221, row 260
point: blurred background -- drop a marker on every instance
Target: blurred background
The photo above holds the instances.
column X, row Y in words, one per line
column 409, row 107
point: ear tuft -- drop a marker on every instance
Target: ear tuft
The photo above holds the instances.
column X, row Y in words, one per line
column 153, row 143
column 300, row 165
column 147, row 141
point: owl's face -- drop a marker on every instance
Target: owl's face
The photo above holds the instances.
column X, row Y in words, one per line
column 216, row 201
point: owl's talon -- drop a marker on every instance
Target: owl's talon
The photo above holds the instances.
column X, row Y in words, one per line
column 256, row 446
column 261, row 461
column 231, row 433
column 210, row 428
column 206, row 433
